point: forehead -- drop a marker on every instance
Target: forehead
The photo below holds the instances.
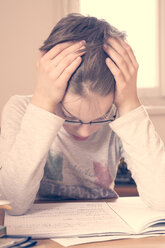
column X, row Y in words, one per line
column 87, row 108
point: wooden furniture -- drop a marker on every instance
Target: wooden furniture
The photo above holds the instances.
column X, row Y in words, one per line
column 126, row 190
column 124, row 183
column 151, row 242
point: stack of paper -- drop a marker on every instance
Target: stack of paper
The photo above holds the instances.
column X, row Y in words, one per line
column 128, row 217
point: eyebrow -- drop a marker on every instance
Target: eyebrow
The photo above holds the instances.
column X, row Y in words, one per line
column 78, row 119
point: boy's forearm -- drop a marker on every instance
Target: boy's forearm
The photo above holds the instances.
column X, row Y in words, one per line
column 144, row 154
column 23, row 162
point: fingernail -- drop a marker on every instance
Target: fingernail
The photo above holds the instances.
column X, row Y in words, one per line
column 83, row 42
column 83, row 47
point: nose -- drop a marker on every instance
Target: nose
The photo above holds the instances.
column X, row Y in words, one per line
column 84, row 130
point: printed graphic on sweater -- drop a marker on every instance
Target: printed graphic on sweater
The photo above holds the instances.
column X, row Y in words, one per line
column 101, row 171
column 50, row 189
column 53, row 168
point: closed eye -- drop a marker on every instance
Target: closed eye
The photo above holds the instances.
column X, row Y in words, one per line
column 105, row 116
column 72, row 118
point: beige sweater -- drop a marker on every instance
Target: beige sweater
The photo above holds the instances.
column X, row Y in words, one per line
column 38, row 157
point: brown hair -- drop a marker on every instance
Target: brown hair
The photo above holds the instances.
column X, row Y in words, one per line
column 93, row 74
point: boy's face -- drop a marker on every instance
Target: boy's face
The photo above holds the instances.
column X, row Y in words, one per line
column 75, row 108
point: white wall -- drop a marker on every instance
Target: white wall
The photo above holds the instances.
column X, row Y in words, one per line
column 24, row 25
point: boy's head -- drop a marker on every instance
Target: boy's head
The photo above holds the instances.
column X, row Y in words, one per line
column 90, row 91
column 92, row 75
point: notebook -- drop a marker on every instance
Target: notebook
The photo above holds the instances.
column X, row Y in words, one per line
column 125, row 217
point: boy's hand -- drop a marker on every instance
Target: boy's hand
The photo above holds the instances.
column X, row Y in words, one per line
column 124, row 67
column 53, row 72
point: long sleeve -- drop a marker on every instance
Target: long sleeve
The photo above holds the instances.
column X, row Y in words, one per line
column 145, row 155
column 27, row 133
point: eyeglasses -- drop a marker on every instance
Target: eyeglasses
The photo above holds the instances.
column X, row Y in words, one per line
column 91, row 123
column 111, row 116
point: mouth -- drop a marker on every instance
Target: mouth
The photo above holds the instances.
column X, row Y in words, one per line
column 80, row 138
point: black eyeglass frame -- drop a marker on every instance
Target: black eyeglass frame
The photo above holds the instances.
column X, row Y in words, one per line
column 92, row 122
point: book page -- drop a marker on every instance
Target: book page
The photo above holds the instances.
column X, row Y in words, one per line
column 136, row 213
column 66, row 219
column 75, row 241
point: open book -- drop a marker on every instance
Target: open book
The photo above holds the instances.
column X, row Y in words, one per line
column 125, row 217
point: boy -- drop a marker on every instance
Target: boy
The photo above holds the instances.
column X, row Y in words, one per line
column 64, row 141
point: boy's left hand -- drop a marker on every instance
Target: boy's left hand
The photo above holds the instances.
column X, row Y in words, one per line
column 123, row 65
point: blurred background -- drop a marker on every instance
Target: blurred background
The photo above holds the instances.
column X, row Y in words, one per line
column 25, row 24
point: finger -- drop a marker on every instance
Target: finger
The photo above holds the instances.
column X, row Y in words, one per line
column 62, row 66
column 55, row 50
column 119, row 61
column 41, row 54
column 76, row 50
column 123, row 54
column 115, row 70
column 65, row 76
column 62, row 46
column 129, row 51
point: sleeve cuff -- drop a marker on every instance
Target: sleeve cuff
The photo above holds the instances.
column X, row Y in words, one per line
column 134, row 116
column 36, row 116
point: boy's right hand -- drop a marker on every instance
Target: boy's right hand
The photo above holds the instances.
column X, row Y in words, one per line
column 53, row 72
